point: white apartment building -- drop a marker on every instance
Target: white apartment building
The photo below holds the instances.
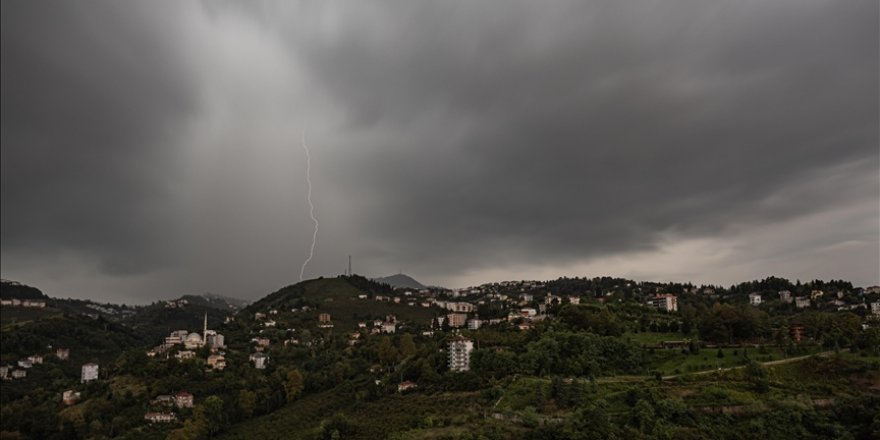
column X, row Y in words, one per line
column 666, row 302
column 89, row 372
column 755, row 299
column 459, row 351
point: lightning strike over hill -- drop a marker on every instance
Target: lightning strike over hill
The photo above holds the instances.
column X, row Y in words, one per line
column 302, row 270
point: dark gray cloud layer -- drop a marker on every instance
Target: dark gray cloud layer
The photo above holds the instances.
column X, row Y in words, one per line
column 156, row 146
column 90, row 96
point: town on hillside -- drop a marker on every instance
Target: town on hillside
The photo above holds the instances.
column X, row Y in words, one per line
column 501, row 339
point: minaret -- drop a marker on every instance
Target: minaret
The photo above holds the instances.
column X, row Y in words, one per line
column 205, row 329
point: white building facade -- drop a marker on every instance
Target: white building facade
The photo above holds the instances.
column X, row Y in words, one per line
column 459, row 351
column 89, row 372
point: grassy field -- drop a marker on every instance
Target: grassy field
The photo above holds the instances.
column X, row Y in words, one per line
column 673, row 361
column 10, row 315
column 415, row 415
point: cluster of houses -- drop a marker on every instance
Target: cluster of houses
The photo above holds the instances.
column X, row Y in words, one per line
column 176, row 303
column 30, row 303
column 163, row 404
column 807, row 301
column 21, row 367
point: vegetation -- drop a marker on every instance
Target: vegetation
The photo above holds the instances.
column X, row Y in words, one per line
column 608, row 367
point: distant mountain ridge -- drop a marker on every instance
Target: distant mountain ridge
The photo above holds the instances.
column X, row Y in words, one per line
column 400, row 280
column 215, row 301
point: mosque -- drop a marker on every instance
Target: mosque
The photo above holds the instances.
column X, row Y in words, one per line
column 208, row 337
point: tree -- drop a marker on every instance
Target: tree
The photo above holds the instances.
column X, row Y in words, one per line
column 757, row 376
column 293, row 385
column 407, row 346
column 247, row 402
column 642, row 416
column 387, row 353
column 211, row 413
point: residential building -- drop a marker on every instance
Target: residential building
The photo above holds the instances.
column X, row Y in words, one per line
column 183, row 399
column 460, row 307
column 528, row 312
column 389, row 327
column 89, row 372
column 4, row 371
column 62, row 354
column 163, row 400
column 802, row 302
column 816, row 294
column 19, row 374
column 796, row 332
column 160, row 417
column 324, row 318
column 176, row 337
column 259, row 360
column 262, row 342
column 664, row 302
column 785, row 296
column 875, row 308
column 755, row 299
column 217, row 362
column 574, row 299
column 406, row 386
column 185, row 354
column 474, row 324
column 456, row 319
column 459, row 353
column 70, row 397
column 25, row 363
column 214, row 339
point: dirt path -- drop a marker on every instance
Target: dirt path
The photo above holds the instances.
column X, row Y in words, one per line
column 766, row 364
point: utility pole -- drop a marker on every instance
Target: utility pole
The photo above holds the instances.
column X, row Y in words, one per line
column 349, row 265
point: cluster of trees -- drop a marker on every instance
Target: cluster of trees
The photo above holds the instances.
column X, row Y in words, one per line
column 671, row 418
column 561, row 353
column 726, row 323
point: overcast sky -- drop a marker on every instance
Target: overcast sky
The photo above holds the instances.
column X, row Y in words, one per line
column 151, row 149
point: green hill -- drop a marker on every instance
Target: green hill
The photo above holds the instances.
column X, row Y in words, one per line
column 340, row 298
column 156, row 321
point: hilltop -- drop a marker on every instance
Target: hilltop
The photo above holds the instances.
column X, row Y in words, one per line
column 400, row 281
column 13, row 289
column 348, row 299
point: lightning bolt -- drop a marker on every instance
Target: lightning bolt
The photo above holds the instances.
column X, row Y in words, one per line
column 302, row 271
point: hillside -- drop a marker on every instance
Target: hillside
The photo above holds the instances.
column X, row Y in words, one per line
column 156, row 321
column 400, row 281
column 13, row 289
column 340, row 298
column 89, row 340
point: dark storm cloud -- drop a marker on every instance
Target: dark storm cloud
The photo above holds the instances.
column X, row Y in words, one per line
column 549, row 134
column 153, row 148
column 90, row 98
